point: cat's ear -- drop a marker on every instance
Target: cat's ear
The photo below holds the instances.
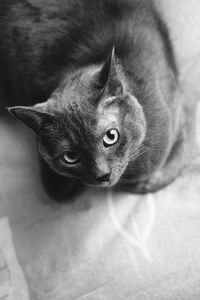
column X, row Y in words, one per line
column 31, row 116
column 108, row 76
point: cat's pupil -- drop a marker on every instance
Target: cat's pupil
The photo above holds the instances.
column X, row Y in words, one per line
column 72, row 155
column 111, row 135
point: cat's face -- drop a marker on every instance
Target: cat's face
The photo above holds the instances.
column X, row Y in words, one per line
column 91, row 127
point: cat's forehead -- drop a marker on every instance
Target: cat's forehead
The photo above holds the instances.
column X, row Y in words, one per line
column 108, row 113
column 88, row 122
column 77, row 89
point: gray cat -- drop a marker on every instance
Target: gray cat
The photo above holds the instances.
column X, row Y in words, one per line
column 98, row 81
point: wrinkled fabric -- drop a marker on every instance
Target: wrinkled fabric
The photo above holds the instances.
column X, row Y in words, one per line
column 103, row 245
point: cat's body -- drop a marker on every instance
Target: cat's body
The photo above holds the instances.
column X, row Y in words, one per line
column 61, row 47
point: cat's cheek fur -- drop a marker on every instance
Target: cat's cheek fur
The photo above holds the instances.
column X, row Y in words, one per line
column 120, row 169
column 134, row 120
column 53, row 163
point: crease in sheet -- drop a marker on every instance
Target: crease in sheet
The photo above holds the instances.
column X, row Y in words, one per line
column 140, row 237
column 18, row 286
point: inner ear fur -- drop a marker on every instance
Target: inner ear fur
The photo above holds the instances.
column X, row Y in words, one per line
column 31, row 116
column 108, row 77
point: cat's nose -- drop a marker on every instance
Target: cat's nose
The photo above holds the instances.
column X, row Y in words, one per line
column 103, row 178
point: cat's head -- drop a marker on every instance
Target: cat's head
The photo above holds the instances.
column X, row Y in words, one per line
column 91, row 127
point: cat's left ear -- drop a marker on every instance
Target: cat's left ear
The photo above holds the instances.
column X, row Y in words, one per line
column 108, row 76
column 31, row 116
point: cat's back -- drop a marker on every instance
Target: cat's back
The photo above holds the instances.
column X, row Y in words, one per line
column 39, row 39
column 71, row 23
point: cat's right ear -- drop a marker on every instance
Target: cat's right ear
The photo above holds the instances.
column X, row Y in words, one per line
column 31, row 117
column 108, row 76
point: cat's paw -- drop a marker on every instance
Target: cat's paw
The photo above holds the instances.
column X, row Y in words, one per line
column 150, row 184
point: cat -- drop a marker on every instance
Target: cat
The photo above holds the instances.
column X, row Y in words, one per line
column 97, row 81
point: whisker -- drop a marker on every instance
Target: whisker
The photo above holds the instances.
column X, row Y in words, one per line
column 134, row 154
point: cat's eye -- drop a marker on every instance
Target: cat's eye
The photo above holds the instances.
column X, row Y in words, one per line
column 70, row 157
column 111, row 137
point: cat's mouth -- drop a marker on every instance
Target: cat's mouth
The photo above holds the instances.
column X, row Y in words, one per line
column 103, row 184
